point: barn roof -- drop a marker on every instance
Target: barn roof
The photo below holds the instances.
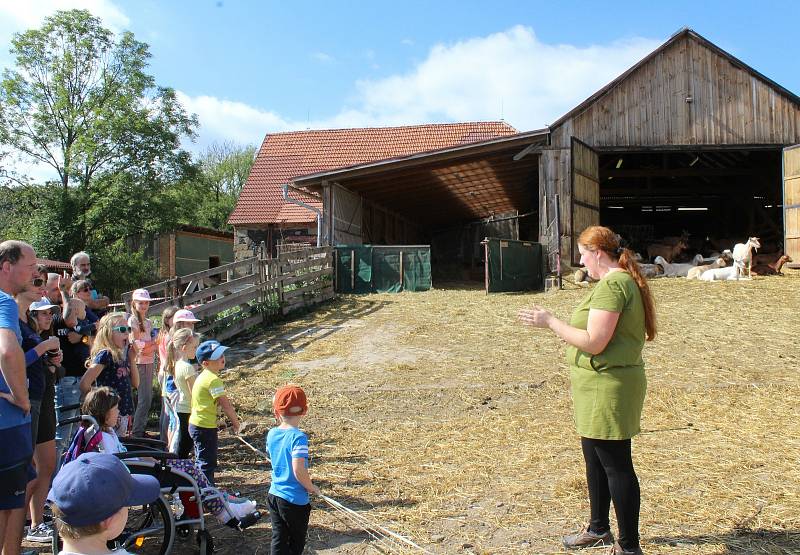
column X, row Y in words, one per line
column 284, row 156
column 681, row 34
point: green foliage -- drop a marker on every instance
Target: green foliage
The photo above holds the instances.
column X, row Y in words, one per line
column 80, row 100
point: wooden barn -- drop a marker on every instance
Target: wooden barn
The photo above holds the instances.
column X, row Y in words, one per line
column 690, row 139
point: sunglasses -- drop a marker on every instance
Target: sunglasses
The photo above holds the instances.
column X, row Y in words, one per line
column 122, row 329
column 38, row 282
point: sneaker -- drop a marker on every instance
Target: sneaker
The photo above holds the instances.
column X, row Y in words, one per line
column 42, row 533
column 587, row 538
column 616, row 549
column 236, row 511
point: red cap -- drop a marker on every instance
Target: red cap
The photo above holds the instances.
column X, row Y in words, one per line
column 289, row 400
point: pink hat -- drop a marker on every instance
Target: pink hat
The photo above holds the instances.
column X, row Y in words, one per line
column 184, row 315
column 141, row 295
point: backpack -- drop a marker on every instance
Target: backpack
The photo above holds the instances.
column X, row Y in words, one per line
column 86, row 440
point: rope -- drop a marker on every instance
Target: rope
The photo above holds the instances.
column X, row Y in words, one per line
column 381, row 534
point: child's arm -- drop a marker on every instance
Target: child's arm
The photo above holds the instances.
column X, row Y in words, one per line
column 89, row 377
column 301, row 473
column 230, row 412
column 135, row 377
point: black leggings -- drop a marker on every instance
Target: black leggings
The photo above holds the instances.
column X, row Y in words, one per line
column 185, row 443
column 610, row 476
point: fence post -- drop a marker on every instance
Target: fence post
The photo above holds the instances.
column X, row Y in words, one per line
column 178, row 292
column 402, row 281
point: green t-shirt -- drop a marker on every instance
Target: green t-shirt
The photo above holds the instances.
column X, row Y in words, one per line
column 184, row 371
column 205, row 392
column 608, row 389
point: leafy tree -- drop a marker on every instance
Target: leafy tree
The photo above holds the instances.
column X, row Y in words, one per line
column 80, row 101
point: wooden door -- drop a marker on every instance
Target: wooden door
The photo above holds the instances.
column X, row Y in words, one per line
column 791, row 203
column 585, row 178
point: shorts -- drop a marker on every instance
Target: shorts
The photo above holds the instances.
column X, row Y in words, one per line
column 47, row 417
column 15, row 466
column 36, row 407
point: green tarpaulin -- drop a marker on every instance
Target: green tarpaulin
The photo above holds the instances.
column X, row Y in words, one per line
column 377, row 268
column 513, row 265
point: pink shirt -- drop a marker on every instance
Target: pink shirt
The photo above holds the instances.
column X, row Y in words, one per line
column 146, row 336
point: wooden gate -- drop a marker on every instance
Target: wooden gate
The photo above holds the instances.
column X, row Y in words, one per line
column 585, row 181
column 791, row 203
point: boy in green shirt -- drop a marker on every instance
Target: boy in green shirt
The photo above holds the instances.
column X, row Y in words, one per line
column 208, row 391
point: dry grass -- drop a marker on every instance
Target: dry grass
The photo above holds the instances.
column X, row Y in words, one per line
column 441, row 417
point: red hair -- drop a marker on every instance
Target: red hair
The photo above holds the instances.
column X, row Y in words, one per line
column 599, row 238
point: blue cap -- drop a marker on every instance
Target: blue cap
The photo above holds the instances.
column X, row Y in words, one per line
column 210, row 350
column 95, row 486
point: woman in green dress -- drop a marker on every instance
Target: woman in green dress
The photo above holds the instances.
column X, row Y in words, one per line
column 605, row 337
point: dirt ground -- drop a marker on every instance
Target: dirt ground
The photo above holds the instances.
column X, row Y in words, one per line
column 438, row 416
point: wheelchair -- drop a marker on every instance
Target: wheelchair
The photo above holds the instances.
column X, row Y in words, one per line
column 176, row 514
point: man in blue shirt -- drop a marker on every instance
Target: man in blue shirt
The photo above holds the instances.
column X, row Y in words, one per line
column 17, row 270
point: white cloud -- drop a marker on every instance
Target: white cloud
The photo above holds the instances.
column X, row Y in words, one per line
column 510, row 74
column 322, row 57
column 407, row 42
column 534, row 82
column 27, row 14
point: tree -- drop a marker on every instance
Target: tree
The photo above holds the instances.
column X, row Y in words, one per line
column 80, row 101
column 212, row 192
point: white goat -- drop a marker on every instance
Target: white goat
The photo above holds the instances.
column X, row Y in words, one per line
column 677, row 270
column 720, row 274
column 743, row 256
column 697, row 271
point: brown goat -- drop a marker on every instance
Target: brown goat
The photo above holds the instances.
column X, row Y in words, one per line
column 667, row 252
column 773, row 269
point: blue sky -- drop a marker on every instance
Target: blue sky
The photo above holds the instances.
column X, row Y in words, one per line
column 247, row 68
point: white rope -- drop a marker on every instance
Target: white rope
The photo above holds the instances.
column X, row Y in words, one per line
column 378, row 532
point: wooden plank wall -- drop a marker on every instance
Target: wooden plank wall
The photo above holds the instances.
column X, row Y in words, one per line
column 263, row 288
column 585, row 192
column 728, row 105
column 791, row 201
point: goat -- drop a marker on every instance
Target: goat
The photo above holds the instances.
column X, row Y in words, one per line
column 667, row 252
column 773, row 269
column 743, row 256
column 697, row 271
column 728, row 273
column 677, row 270
column 651, row 270
column 766, row 257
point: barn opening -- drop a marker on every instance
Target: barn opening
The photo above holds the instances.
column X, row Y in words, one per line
column 720, row 196
column 450, row 199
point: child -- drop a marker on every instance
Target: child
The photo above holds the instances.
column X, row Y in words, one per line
column 164, row 335
column 142, row 337
column 182, row 348
column 109, row 365
column 90, row 499
column 101, row 404
column 207, row 392
column 289, row 508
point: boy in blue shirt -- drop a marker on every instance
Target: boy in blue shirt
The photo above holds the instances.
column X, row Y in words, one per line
column 289, row 508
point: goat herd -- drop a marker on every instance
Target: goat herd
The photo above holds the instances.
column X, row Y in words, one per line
column 740, row 262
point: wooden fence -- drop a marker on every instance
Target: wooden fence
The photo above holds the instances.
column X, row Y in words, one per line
column 232, row 298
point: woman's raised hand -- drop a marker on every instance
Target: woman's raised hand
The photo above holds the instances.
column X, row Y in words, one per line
column 535, row 316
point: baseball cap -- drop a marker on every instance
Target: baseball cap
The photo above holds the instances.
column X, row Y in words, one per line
column 43, row 304
column 290, row 400
column 141, row 295
column 210, row 350
column 184, row 315
column 94, row 486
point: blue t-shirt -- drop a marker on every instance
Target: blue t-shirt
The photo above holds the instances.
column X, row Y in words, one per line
column 11, row 415
column 36, row 369
column 117, row 376
column 283, row 446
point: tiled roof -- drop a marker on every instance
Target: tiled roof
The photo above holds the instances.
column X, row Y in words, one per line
column 284, row 156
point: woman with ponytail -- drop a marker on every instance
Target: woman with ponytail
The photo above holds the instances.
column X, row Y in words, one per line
column 605, row 337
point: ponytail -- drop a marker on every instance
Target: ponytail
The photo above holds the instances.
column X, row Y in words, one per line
column 178, row 341
column 628, row 262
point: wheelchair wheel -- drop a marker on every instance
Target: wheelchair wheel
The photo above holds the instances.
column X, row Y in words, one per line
column 149, row 530
column 205, row 542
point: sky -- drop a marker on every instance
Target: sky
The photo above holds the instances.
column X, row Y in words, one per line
column 248, row 68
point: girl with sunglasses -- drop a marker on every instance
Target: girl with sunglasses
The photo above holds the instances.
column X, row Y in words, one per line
column 109, row 365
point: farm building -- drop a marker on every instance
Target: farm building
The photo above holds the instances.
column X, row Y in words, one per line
column 189, row 249
column 688, row 139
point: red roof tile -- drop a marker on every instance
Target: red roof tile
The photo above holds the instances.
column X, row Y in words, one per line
column 284, row 156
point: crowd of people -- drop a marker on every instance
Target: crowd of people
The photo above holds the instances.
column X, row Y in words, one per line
column 61, row 345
